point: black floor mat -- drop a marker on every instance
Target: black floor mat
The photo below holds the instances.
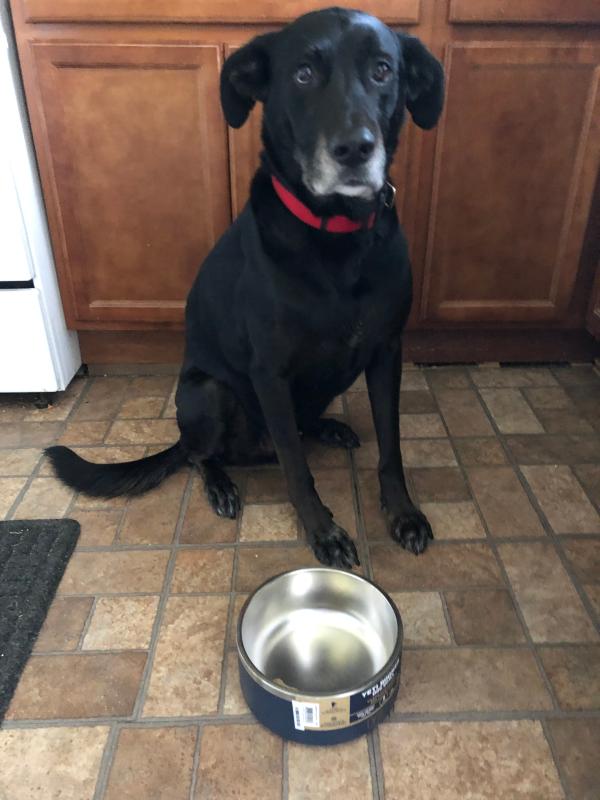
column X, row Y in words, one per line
column 33, row 557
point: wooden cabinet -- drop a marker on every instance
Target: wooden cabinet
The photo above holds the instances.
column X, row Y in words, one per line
column 515, row 165
column 136, row 173
column 202, row 11
column 140, row 175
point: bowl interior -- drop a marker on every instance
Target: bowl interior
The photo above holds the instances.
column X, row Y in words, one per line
column 319, row 630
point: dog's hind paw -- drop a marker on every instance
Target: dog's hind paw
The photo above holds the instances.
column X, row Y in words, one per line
column 333, row 433
column 222, row 493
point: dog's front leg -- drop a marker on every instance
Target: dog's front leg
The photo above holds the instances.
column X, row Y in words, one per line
column 407, row 524
column 330, row 543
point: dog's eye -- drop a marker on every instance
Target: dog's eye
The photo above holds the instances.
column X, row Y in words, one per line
column 381, row 72
column 303, row 74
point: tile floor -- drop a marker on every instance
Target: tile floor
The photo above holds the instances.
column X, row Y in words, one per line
column 132, row 690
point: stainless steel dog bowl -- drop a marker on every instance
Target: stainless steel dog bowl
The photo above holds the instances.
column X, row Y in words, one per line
column 319, row 654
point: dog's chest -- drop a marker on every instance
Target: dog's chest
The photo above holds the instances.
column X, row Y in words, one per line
column 357, row 334
column 350, row 330
column 348, row 319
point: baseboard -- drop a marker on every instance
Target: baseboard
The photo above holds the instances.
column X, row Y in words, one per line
column 122, row 350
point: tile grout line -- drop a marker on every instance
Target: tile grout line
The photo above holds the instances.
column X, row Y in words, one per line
column 129, row 722
column 115, row 416
column 157, row 418
column 173, row 392
column 374, row 755
column 93, row 651
column 441, row 647
column 595, row 506
column 116, row 542
column 230, row 609
column 545, row 522
column 145, row 594
column 494, row 547
column 361, row 530
column 250, row 544
column 160, row 611
column 375, row 765
column 70, row 507
column 296, row 544
column 125, row 510
column 576, row 583
column 86, row 626
column 35, row 473
column 449, row 588
column 167, row 398
column 196, row 763
column 553, row 752
column 106, row 762
column 285, row 771
column 89, row 382
column 449, row 543
column 575, row 409
column 501, row 715
column 447, row 617
column 442, row 592
column 531, row 408
column 248, row 719
column 529, row 639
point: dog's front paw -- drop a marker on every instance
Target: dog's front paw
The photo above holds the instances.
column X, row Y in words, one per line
column 335, row 548
column 412, row 530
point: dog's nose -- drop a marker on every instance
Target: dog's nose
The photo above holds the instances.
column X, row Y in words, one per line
column 354, row 148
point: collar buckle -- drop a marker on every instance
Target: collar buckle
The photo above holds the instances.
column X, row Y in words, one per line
column 389, row 194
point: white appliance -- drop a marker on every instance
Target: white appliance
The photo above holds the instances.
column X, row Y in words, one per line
column 37, row 352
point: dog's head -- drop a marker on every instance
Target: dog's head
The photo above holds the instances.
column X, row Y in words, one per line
column 334, row 85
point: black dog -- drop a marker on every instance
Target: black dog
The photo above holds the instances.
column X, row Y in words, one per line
column 310, row 286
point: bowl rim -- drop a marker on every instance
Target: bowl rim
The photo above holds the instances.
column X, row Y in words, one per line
column 290, row 694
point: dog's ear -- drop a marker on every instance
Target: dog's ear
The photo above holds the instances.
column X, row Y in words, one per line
column 424, row 82
column 245, row 79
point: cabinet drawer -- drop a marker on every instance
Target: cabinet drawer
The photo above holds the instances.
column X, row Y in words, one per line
column 548, row 12
column 400, row 11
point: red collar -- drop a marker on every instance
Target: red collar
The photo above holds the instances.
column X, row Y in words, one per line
column 337, row 224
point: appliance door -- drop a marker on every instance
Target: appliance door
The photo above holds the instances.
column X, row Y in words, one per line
column 15, row 258
column 27, row 364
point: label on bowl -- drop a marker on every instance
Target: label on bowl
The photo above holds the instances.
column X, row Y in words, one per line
column 306, row 715
column 318, row 713
column 326, row 715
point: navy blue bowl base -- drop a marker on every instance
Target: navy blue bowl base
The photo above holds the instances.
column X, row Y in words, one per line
column 367, row 710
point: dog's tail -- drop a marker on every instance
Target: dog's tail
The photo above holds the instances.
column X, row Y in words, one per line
column 112, row 480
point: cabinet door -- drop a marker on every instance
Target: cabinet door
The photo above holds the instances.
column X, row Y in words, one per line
column 516, row 160
column 134, row 161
